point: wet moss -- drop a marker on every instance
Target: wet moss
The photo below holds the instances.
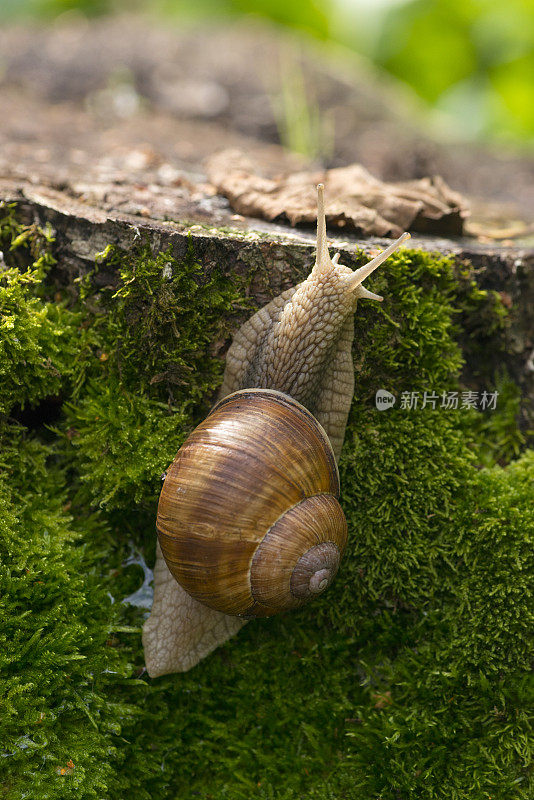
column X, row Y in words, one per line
column 408, row 679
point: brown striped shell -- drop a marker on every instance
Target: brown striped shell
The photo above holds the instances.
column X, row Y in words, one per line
column 248, row 518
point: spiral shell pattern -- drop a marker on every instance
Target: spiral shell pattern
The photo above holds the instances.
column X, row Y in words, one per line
column 248, row 519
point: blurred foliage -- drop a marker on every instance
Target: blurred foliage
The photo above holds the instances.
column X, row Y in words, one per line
column 303, row 127
column 472, row 61
column 301, row 14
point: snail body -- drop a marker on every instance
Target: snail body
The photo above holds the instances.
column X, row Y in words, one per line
column 249, row 522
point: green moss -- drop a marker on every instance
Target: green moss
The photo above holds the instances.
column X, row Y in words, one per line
column 153, row 363
column 61, row 679
column 37, row 338
column 124, row 442
column 498, row 436
column 162, row 327
column 407, row 680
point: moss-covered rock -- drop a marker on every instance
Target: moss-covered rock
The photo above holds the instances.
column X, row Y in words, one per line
column 407, row 680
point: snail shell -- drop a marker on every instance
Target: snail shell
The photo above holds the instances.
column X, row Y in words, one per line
column 248, row 520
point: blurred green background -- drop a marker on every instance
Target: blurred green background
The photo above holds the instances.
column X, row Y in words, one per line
column 470, row 61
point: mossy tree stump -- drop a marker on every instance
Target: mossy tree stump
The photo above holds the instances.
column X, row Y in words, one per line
column 409, row 678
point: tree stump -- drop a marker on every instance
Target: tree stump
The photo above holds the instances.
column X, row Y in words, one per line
column 112, row 151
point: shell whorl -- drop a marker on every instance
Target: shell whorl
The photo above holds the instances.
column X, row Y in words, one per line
column 248, row 521
column 299, row 555
column 315, row 570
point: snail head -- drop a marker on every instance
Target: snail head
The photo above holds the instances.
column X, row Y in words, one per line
column 333, row 276
column 312, row 324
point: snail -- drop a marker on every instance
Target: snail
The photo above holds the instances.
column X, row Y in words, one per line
column 249, row 523
column 248, row 519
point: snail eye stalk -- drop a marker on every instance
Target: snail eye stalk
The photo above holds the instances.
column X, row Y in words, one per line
column 359, row 275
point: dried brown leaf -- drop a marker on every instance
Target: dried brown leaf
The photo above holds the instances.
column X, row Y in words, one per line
column 355, row 200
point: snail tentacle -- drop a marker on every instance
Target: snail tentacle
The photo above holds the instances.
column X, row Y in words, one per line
column 362, row 292
column 362, row 273
column 323, row 262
